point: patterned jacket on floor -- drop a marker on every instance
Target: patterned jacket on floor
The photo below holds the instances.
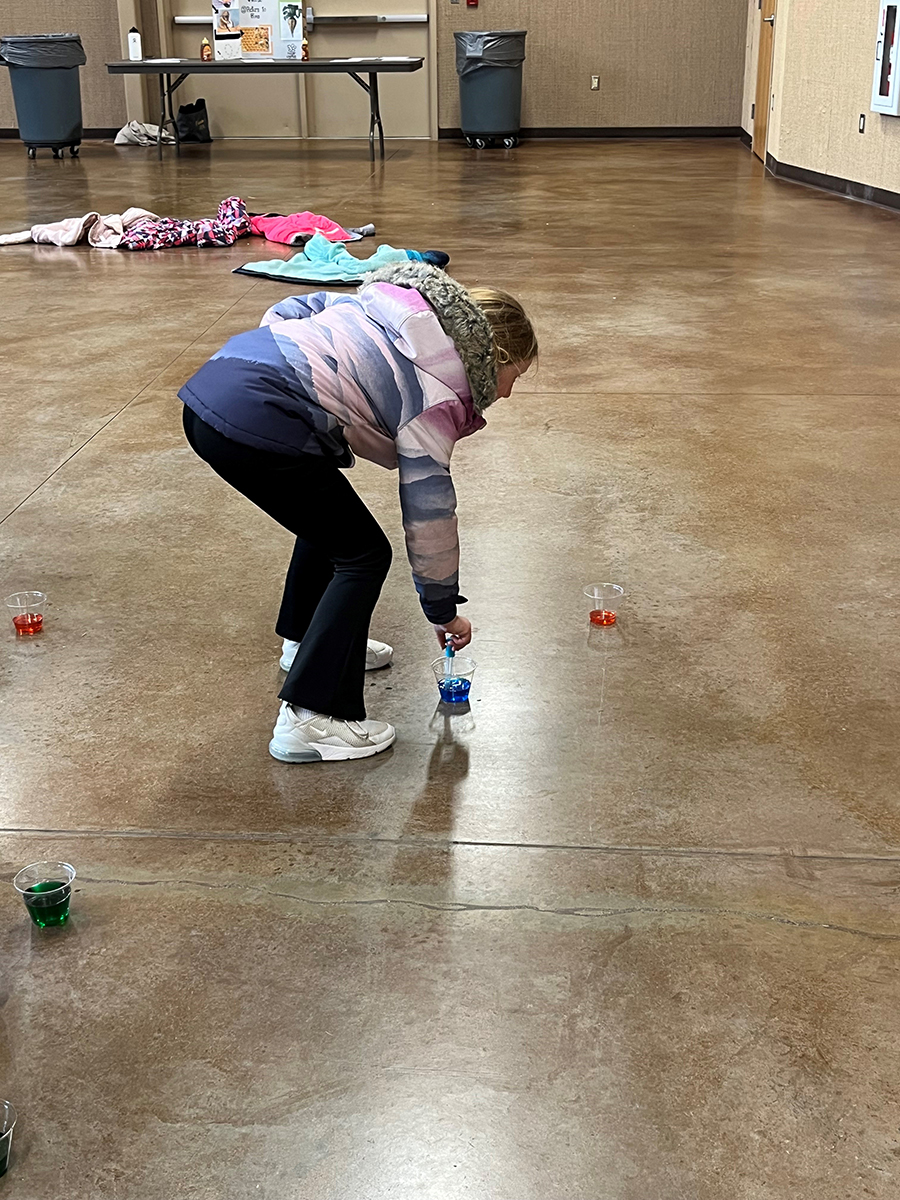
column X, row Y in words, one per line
column 397, row 374
column 230, row 223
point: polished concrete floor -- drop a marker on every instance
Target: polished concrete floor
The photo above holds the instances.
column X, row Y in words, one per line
column 630, row 931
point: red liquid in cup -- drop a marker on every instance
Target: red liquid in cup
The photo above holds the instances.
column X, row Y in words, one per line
column 602, row 616
column 29, row 623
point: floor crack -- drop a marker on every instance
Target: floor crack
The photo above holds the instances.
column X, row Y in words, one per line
column 459, row 906
column 363, row 840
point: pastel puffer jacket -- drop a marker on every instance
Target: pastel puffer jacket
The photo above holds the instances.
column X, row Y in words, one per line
column 396, row 374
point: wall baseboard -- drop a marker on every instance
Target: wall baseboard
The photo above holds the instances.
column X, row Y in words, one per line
column 618, row 131
column 89, row 134
column 833, row 183
column 746, row 138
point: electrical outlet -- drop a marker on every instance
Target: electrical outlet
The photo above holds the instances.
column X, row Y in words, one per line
column 595, row 83
column 862, row 122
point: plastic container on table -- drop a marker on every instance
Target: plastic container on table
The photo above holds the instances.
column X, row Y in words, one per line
column 43, row 71
column 489, row 66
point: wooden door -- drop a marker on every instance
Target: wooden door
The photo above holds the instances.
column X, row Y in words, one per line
column 764, row 77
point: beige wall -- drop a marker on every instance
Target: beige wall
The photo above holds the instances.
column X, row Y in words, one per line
column 822, row 81
column 660, row 62
column 102, row 95
column 751, row 58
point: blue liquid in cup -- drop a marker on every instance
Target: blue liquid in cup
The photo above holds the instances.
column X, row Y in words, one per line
column 454, row 690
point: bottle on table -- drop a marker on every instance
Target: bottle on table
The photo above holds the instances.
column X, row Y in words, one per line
column 206, row 51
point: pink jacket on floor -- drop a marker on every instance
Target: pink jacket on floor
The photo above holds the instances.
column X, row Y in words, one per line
column 299, row 227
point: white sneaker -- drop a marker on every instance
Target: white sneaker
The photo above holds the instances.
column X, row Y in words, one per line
column 326, row 739
column 378, row 654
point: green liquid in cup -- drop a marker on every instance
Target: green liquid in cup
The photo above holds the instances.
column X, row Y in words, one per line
column 4, row 1157
column 46, row 910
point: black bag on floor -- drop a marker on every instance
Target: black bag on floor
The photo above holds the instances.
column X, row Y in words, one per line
column 193, row 122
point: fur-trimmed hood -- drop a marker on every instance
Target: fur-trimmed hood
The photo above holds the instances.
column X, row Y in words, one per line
column 460, row 318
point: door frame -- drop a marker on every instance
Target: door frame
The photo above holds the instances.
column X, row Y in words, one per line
column 431, row 66
column 766, row 55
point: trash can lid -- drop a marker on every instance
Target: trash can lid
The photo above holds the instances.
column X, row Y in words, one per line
column 40, row 37
column 42, row 50
column 477, row 48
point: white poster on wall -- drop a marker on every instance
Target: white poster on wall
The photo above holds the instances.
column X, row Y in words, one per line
column 258, row 19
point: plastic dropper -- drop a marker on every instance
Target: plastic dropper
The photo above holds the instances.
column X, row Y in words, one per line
column 449, row 653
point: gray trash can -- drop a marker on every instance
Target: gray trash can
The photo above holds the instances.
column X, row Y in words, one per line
column 489, row 65
column 43, row 71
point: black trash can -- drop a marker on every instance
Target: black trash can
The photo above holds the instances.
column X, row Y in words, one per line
column 489, row 65
column 43, row 71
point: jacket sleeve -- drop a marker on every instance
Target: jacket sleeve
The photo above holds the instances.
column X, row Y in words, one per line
column 292, row 308
column 428, row 505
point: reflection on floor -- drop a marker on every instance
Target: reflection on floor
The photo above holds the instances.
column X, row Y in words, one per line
column 630, row 932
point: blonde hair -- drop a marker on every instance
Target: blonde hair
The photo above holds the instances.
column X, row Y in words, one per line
column 513, row 336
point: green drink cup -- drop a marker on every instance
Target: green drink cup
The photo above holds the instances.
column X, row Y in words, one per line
column 46, row 888
column 7, row 1124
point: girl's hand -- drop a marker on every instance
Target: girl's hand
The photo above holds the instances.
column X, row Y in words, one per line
column 461, row 630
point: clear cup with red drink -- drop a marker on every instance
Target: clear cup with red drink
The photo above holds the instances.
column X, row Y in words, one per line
column 603, row 601
column 27, row 612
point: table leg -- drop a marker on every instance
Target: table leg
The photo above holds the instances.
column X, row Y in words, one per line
column 173, row 122
column 375, row 114
column 374, row 111
column 371, row 119
column 162, row 114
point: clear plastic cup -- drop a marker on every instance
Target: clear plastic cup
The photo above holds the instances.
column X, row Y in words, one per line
column 7, row 1125
column 454, row 677
column 46, row 888
column 603, row 602
column 27, row 612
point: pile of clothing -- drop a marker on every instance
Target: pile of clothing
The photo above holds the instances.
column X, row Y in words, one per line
column 139, row 229
column 139, row 133
column 324, row 258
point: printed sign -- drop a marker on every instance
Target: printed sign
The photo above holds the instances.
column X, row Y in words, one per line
column 256, row 41
column 290, row 30
column 226, row 16
column 258, row 19
column 291, row 21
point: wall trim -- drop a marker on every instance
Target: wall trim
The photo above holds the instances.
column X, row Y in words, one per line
column 848, row 188
column 91, row 134
column 746, row 138
column 620, row 131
